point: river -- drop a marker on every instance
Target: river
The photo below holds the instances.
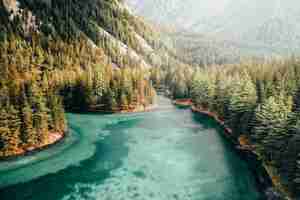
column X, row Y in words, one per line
column 167, row 154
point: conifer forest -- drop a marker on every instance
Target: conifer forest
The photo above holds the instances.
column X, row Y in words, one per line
column 164, row 100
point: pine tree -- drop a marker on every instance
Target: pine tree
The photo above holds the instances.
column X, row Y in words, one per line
column 41, row 119
column 40, row 114
column 260, row 92
column 28, row 133
column 202, row 91
column 4, row 132
column 13, row 139
column 242, row 103
column 271, row 118
column 57, row 117
column 221, row 98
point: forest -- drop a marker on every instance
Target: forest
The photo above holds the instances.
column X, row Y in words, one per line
column 68, row 58
column 258, row 101
column 48, row 69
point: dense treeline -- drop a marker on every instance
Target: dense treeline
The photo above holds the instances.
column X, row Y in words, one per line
column 68, row 19
column 49, row 63
column 30, row 108
column 175, row 77
column 37, row 81
column 54, row 57
column 259, row 102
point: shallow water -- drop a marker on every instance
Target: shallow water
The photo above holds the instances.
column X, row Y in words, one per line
column 167, row 154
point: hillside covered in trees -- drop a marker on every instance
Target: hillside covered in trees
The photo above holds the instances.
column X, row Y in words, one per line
column 215, row 31
column 259, row 102
column 69, row 55
column 257, row 98
column 96, row 56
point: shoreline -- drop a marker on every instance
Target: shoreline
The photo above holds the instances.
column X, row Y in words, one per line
column 264, row 176
column 184, row 103
column 267, row 180
column 53, row 139
column 138, row 109
column 56, row 137
column 132, row 109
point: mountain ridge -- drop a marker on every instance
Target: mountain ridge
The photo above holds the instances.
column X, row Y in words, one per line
column 57, row 55
column 269, row 28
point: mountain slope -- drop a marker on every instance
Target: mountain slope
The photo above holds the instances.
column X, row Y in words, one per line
column 69, row 54
column 253, row 28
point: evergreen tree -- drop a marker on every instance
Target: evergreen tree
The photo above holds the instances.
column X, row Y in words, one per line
column 40, row 119
column 4, row 133
column 202, row 91
column 14, row 136
column 242, row 103
column 29, row 135
column 57, row 117
column 271, row 118
column 40, row 115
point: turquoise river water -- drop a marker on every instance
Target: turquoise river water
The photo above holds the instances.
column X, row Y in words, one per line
column 167, row 154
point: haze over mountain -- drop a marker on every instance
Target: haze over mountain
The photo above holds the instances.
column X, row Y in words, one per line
column 251, row 27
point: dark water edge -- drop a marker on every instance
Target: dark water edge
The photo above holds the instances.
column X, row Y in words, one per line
column 264, row 181
column 169, row 154
column 256, row 166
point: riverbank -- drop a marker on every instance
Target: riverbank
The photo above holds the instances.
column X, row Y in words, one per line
column 140, row 108
column 266, row 177
column 128, row 109
column 183, row 102
column 132, row 108
column 228, row 131
column 53, row 138
column 56, row 137
column 149, row 145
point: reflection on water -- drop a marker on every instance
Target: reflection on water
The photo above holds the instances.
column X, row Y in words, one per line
column 169, row 154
